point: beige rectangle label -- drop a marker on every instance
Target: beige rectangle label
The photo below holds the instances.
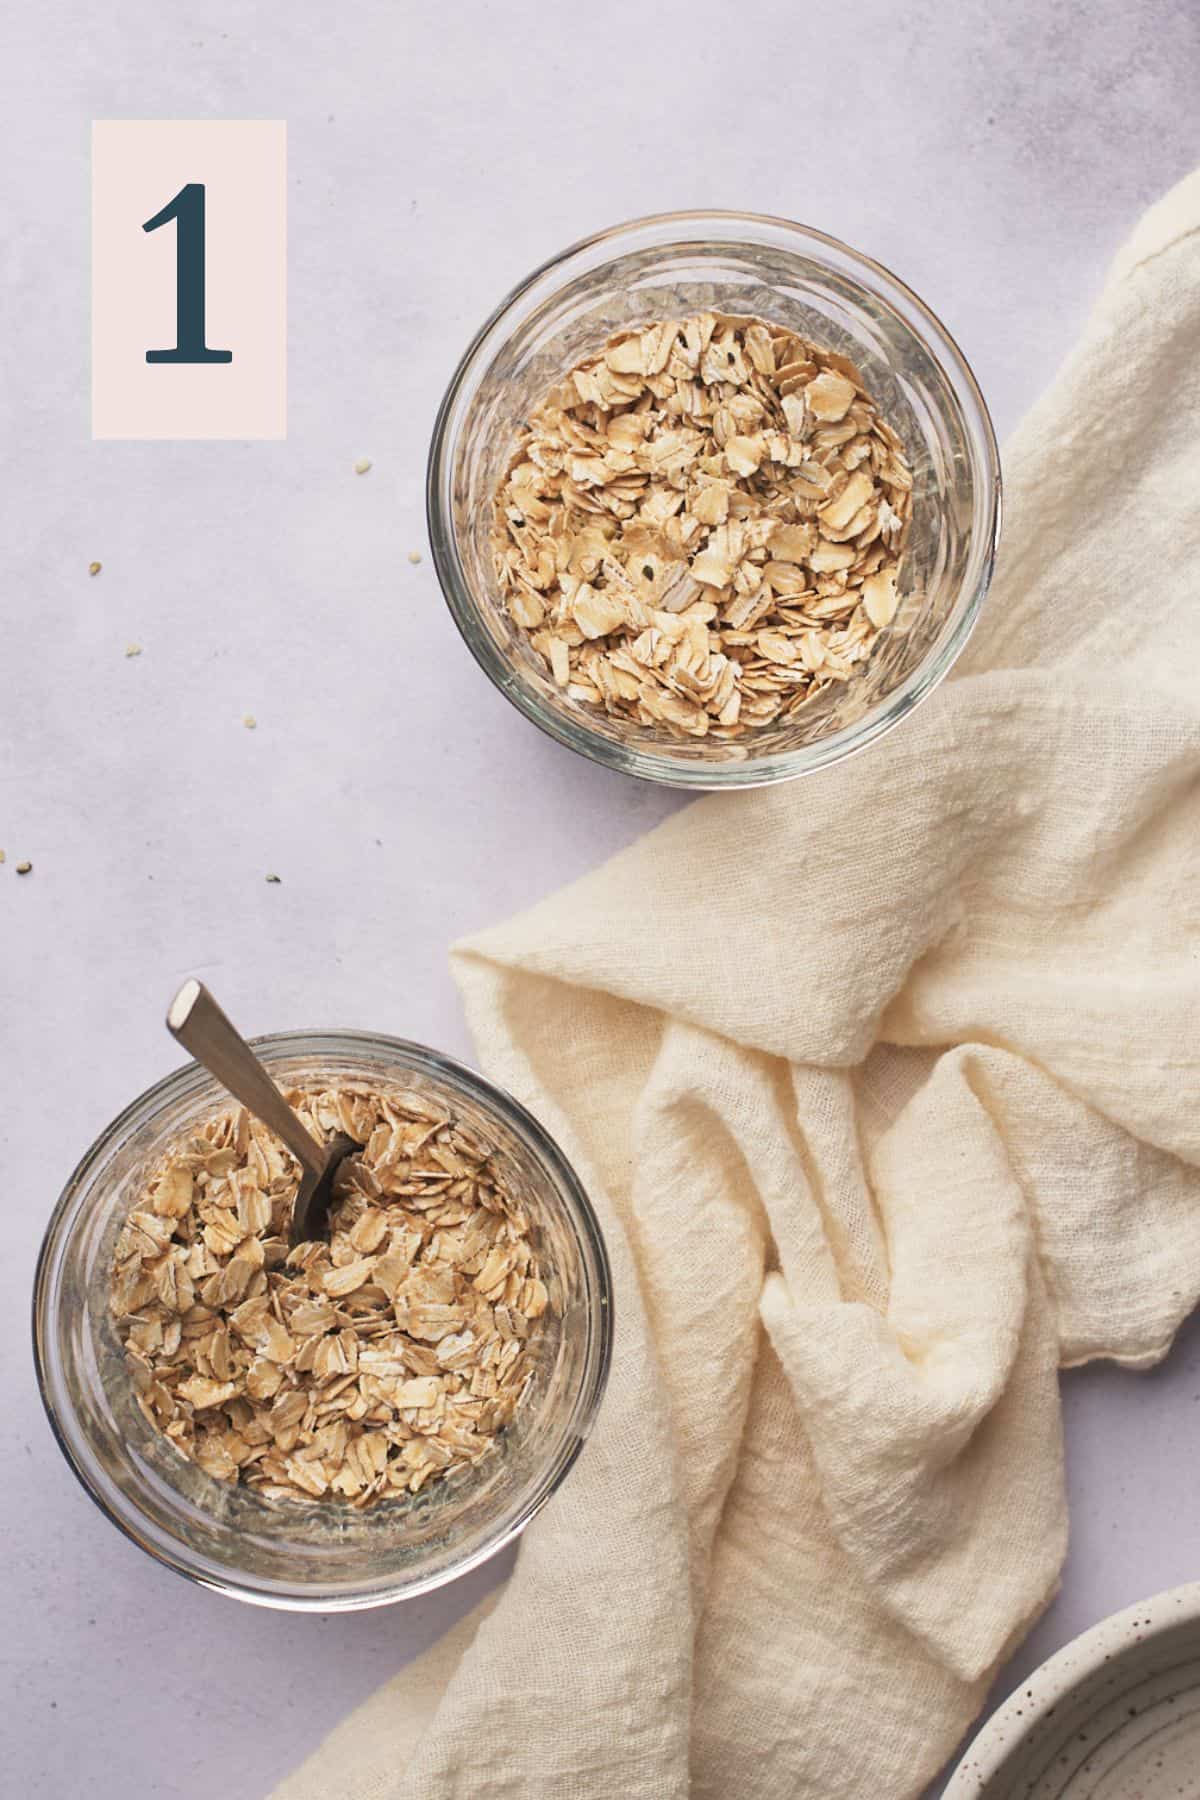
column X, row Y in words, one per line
column 189, row 318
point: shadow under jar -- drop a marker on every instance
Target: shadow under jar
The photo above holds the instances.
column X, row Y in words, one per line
column 671, row 266
column 324, row 1556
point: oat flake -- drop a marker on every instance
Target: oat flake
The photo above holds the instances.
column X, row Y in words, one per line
column 702, row 524
column 390, row 1357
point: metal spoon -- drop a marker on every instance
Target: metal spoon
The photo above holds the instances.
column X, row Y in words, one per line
column 196, row 1021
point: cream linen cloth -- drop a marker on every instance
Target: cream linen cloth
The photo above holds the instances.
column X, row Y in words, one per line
column 886, row 1085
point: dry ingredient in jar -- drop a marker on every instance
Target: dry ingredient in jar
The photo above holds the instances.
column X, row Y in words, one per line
column 701, row 525
column 353, row 1370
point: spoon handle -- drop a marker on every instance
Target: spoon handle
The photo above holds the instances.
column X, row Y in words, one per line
column 196, row 1021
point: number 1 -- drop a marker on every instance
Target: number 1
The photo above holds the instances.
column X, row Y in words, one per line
column 187, row 210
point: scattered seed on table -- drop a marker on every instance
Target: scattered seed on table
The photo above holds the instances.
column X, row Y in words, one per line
column 93, row 568
column 24, row 868
column 414, row 556
column 362, row 465
column 275, row 879
column 249, row 721
column 133, row 649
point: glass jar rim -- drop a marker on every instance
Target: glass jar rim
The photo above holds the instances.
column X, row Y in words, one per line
column 279, row 1047
column 624, row 754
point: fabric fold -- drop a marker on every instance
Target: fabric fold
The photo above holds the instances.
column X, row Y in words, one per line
column 884, row 1087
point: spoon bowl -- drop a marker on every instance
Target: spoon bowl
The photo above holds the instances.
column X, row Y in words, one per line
column 310, row 1215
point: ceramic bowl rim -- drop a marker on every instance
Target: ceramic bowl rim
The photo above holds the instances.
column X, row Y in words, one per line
column 1010, row 1727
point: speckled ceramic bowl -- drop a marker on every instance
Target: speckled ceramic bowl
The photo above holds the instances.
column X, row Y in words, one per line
column 1114, row 1716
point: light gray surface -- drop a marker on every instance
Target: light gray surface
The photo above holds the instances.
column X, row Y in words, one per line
column 994, row 155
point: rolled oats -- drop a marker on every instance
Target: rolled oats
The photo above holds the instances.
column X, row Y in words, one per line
column 701, row 525
column 387, row 1358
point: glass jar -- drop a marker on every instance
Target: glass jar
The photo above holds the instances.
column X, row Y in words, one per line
column 668, row 267
column 322, row 1556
